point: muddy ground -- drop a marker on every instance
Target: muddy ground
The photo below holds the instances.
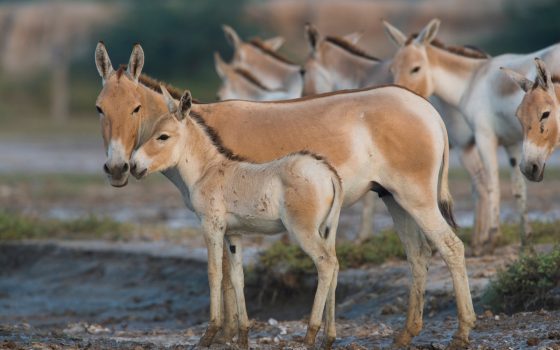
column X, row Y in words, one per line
column 84, row 295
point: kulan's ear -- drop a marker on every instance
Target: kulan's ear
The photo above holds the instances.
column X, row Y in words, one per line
column 429, row 33
column 274, row 43
column 354, row 37
column 231, row 36
column 169, row 101
column 524, row 83
column 136, row 62
column 220, row 65
column 396, row 36
column 185, row 105
column 543, row 75
column 102, row 61
column 312, row 35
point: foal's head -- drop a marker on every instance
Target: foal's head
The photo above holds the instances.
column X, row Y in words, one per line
column 163, row 148
column 410, row 66
column 120, row 109
column 539, row 116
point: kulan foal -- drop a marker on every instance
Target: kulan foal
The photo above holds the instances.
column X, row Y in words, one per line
column 300, row 193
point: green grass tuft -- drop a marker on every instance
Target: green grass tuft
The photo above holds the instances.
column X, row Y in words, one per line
column 530, row 283
column 15, row 227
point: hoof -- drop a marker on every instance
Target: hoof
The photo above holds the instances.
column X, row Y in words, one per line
column 402, row 339
column 208, row 336
column 458, row 342
column 243, row 339
column 310, row 336
column 328, row 343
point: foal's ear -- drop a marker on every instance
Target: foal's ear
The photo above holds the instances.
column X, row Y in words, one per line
column 220, row 65
column 136, row 62
column 354, row 37
column 429, row 32
column 185, row 105
column 312, row 35
column 274, row 43
column 232, row 36
column 102, row 61
column 524, row 83
column 543, row 75
column 169, row 101
column 396, row 36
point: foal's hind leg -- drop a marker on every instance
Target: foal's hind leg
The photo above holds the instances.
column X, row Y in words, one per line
column 418, row 253
column 236, row 271
column 519, row 188
column 229, row 304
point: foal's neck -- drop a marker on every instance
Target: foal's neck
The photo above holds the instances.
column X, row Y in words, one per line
column 452, row 73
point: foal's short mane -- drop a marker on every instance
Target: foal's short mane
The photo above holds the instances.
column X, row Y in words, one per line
column 465, row 51
column 250, row 78
column 257, row 43
column 348, row 46
column 215, row 138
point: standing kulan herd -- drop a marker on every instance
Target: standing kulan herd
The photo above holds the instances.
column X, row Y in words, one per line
column 330, row 133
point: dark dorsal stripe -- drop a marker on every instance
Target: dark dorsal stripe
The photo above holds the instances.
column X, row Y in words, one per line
column 465, row 51
column 319, row 158
column 215, row 138
column 351, row 48
column 257, row 43
column 250, row 78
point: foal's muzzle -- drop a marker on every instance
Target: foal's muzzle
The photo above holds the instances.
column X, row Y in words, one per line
column 533, row 170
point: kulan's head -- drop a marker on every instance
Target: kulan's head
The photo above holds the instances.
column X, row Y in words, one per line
column 539, row 116
column 120, row 108
column 410, row 65
column 164, row 147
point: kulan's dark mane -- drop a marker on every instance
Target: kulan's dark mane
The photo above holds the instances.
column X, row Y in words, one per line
column 257, row 43
column 150, row 83
column 215, row 138
column 250, row 78
column 465, row 51
column 351, row 48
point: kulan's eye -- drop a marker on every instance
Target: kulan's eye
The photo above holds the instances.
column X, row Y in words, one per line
column 99, row 110
column 136, row 110
column 415, row 70
column 163, row 137
column 545, row 115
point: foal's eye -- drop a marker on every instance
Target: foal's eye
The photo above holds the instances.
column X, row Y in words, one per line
column 99, row 110
column 136, row 110
column 415, row 70
column 545, row 115
column 163, row 137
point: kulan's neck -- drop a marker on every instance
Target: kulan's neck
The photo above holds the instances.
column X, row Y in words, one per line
column 452, row 73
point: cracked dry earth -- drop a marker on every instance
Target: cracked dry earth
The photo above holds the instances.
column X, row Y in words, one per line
column 57, row 296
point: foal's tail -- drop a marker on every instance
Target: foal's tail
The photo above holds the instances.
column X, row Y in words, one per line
column 445, row 201
column 331, row 219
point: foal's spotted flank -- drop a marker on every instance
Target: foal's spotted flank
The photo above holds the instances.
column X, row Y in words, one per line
column 366, row 136
column 300, row 193
column 539, row 115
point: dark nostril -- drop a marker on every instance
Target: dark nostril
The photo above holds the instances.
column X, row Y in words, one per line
column 125, row 167
column 535, row 169
column 133, row 167
column 106, row 169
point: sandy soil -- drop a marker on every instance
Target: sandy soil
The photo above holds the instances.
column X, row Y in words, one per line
column 84, row 295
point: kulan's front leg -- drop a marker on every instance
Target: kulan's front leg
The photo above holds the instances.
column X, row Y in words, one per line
column 214, row 237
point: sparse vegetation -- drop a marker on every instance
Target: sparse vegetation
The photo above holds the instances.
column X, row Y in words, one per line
column 14, row 227
column 531, row 283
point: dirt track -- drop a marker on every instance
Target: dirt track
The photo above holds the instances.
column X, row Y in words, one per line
column 77, row 296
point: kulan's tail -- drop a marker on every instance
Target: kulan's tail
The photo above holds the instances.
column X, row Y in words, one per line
column 331, row 220
column 445, row 201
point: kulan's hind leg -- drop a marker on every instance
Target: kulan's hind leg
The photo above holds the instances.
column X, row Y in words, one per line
column 368, row 209
column 418, row 253
column 434, row 226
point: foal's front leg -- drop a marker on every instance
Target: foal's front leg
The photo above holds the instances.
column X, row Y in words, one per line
column 214, row 228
